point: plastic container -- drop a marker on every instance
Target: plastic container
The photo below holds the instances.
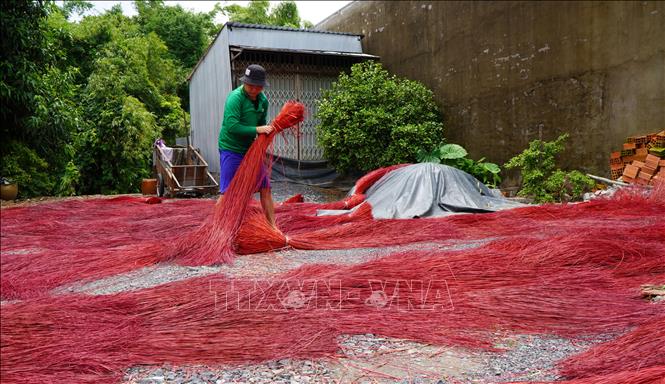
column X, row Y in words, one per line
column 9, row 191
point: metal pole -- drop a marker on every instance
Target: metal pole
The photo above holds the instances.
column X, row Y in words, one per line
column 607, row 181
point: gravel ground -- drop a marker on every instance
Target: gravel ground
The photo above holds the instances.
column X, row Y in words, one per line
column 371, row 359
column 364, row 358
column 249, row 266
column 283, row 190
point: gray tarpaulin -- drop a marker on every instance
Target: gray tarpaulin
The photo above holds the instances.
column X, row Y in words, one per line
column 427, row 190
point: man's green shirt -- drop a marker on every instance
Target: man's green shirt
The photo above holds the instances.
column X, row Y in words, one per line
column 241, row 118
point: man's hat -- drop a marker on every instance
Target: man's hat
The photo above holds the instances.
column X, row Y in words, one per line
column 255, row 75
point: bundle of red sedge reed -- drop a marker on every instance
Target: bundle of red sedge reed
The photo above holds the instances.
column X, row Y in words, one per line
column 213, row 242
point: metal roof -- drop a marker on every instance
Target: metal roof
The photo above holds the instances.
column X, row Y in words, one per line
column 305, row 51
column 306, row 40
column 235, row 24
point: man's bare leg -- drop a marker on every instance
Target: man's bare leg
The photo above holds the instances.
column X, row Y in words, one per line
column 268, row 206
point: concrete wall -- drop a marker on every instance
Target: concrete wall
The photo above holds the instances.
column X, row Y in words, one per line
column 506, row 73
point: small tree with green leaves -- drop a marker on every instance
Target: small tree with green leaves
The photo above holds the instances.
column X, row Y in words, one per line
column 370, row 119
column 541, row 180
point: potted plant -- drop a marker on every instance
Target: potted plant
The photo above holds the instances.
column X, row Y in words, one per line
column 8, row 189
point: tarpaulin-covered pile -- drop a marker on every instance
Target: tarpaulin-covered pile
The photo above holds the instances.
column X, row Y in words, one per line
column 431, row 190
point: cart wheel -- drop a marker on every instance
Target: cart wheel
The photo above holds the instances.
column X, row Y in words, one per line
column 160, row 185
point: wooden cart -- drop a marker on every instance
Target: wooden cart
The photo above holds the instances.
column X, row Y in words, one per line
column 186, row 173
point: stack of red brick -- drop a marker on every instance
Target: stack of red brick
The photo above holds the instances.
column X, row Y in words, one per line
column 640, row 161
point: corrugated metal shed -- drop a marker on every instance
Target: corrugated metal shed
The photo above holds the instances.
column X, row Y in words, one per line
column 300, row 63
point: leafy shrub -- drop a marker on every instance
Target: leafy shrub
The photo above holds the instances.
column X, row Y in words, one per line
column 69, row 180
column 370, row 119
column 23, row 166
column 541, row 180
column 567, row 186
column 115, row 155
column 454, row 155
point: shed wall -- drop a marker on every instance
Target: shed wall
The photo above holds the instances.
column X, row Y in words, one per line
column 209, row 86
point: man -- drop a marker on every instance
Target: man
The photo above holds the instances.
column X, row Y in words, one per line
column 245, row 114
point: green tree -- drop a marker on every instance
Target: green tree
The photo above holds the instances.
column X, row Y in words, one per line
column 256, row 12
column 82, row 102
column 22, row 53
column 78, row 7
column 186, row 34
column 39, row 112
column 130, row 96
column 284, row 14
column 370, row 119
column 91, row 35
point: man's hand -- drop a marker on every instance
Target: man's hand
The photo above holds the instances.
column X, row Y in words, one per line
column 264, row 129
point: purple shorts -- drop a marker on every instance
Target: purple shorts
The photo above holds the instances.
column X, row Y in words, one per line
column 228, row 165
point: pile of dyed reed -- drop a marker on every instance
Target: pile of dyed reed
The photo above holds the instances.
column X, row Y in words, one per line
column 84, row 240
column 457, row 298
column 55, row 244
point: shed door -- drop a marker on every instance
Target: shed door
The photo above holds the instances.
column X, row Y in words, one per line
column 292, row 77
column 306, row 89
